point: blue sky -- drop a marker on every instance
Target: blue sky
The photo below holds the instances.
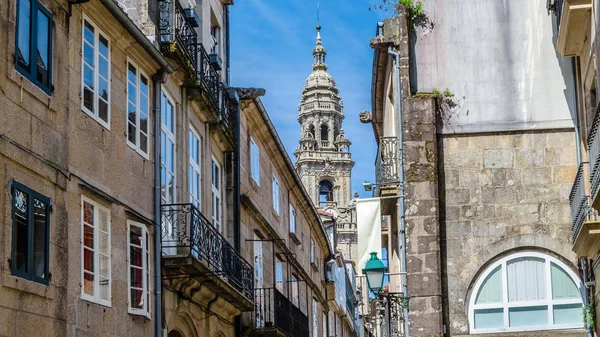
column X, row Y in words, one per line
column 271, row 48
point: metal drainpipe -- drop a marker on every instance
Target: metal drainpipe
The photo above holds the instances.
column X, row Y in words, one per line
column 157, row 79
column 402, row 238
column 576, row 117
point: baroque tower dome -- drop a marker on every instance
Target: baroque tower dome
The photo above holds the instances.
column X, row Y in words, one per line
column 323, row 158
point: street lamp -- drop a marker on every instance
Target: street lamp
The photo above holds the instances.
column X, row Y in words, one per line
column 393, row 303
column 374, row 272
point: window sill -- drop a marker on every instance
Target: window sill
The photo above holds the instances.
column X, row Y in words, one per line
column 145, row 316
column 27, row 286
column 137, row 150
column 314, row 266
column 295, row 238
column 93, row 301
column 255, row 186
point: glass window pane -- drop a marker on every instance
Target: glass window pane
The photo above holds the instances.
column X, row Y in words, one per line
column 88, row 77
column 103, row 262
column 24, row 33
column 103, row 47
column 103, row 88
column 88, row 99
column 88, row 283
column 102, row 242
column 137, row 278
column 88, row 237
column 132, row 74
column 563, row 286
column 103, row 110
column 491, row 288
column 103, row 220
column 132, row 93
column 528, row 316
column 40, row 245
column 489, row 318
column 137, row 299
column 103, row 66
column 43, row 48
column 131, row 132
column 88, row 32
column 104, row 293
column 144, row 143
column 21, row 230
column 135, row 255
column 526, row 279
column 568, row 314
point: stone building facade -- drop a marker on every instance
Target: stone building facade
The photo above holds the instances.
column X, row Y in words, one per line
column 486, row 215
column 575, row 33
column 85, row 175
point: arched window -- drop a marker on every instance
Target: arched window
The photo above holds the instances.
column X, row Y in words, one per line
column 325, row 191
column 324, row 132
column 526, row 291
column 174, row 333
column 311, row 130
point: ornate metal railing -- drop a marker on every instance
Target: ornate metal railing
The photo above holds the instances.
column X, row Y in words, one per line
column 176, row 31
column 579, row 202
column 386, row 163
column 273, row 309
column 185, row 230
column 227, row 113
column 349, row 298
column 594, row 153
column 209, row 78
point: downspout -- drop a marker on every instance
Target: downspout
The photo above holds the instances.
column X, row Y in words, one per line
column 576, row 117
column 157, row 79
column 227, row 45
column 586, row 289
column 400, row 205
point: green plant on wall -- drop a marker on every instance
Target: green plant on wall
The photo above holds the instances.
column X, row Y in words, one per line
column 589, row 315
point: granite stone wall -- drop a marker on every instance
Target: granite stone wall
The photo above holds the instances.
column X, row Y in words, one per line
column 501, row 193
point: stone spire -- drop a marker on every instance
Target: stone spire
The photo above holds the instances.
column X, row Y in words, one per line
column 319, row 53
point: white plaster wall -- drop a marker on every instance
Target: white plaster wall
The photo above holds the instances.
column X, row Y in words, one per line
column 498, row 57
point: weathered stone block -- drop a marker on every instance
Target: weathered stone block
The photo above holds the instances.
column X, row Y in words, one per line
column 461, row 158
column 564, row 174
column 529, row 157
column 498, row 195
column 458, row 229
column 502, row 158
column 536, row 194
column 537, row 176
column 457, row 196
column 510, row 140
column 519, row 214
column 471, row 179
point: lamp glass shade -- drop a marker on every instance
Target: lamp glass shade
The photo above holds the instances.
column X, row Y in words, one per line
column 374, row 271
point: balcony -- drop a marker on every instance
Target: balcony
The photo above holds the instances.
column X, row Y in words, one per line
column 349, row 298
column 574, row 18
column 346, row 227
column 178, row 39
column 275, row 315
column 193, row 251
column 327, row 204
column 219, row 102
column 585, row 224
column 386, row 167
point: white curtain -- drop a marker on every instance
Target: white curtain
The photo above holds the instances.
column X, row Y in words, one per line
column 368, row 215
column 526, row 279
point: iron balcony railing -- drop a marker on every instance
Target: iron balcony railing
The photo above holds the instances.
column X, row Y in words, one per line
column 594, row 153
column 176, row 32
column 579, row 202
column 386, row 163
column 273, row 309
column 185, row 230
column 349, row 298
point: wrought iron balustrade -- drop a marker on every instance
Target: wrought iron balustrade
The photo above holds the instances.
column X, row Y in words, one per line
column 349, row 298
column 273, row 309
column 209, row 78
column 579, row 202
column 227, row 113
column 594, row 153
column 186, row 231
column 176, row 31
column 386, row 163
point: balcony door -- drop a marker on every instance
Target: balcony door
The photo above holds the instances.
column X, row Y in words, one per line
column 167, row 169
column 258, row 282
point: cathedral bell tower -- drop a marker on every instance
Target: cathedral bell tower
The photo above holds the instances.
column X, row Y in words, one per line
column 323, row 159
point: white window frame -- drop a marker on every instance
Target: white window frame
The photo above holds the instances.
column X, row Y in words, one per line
column 315, row 318
column 254, row 161
column 279, row 272
column 312, row 251
column 215, row 37
column 145, row 269
column 195, row 168
column 295, row 290
column 292, row 219
column 171, row 135
column 275, row 186
column 138, row 130
column 96, row 296
column 97, row 32
column 217, row 219
column 505, row 304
